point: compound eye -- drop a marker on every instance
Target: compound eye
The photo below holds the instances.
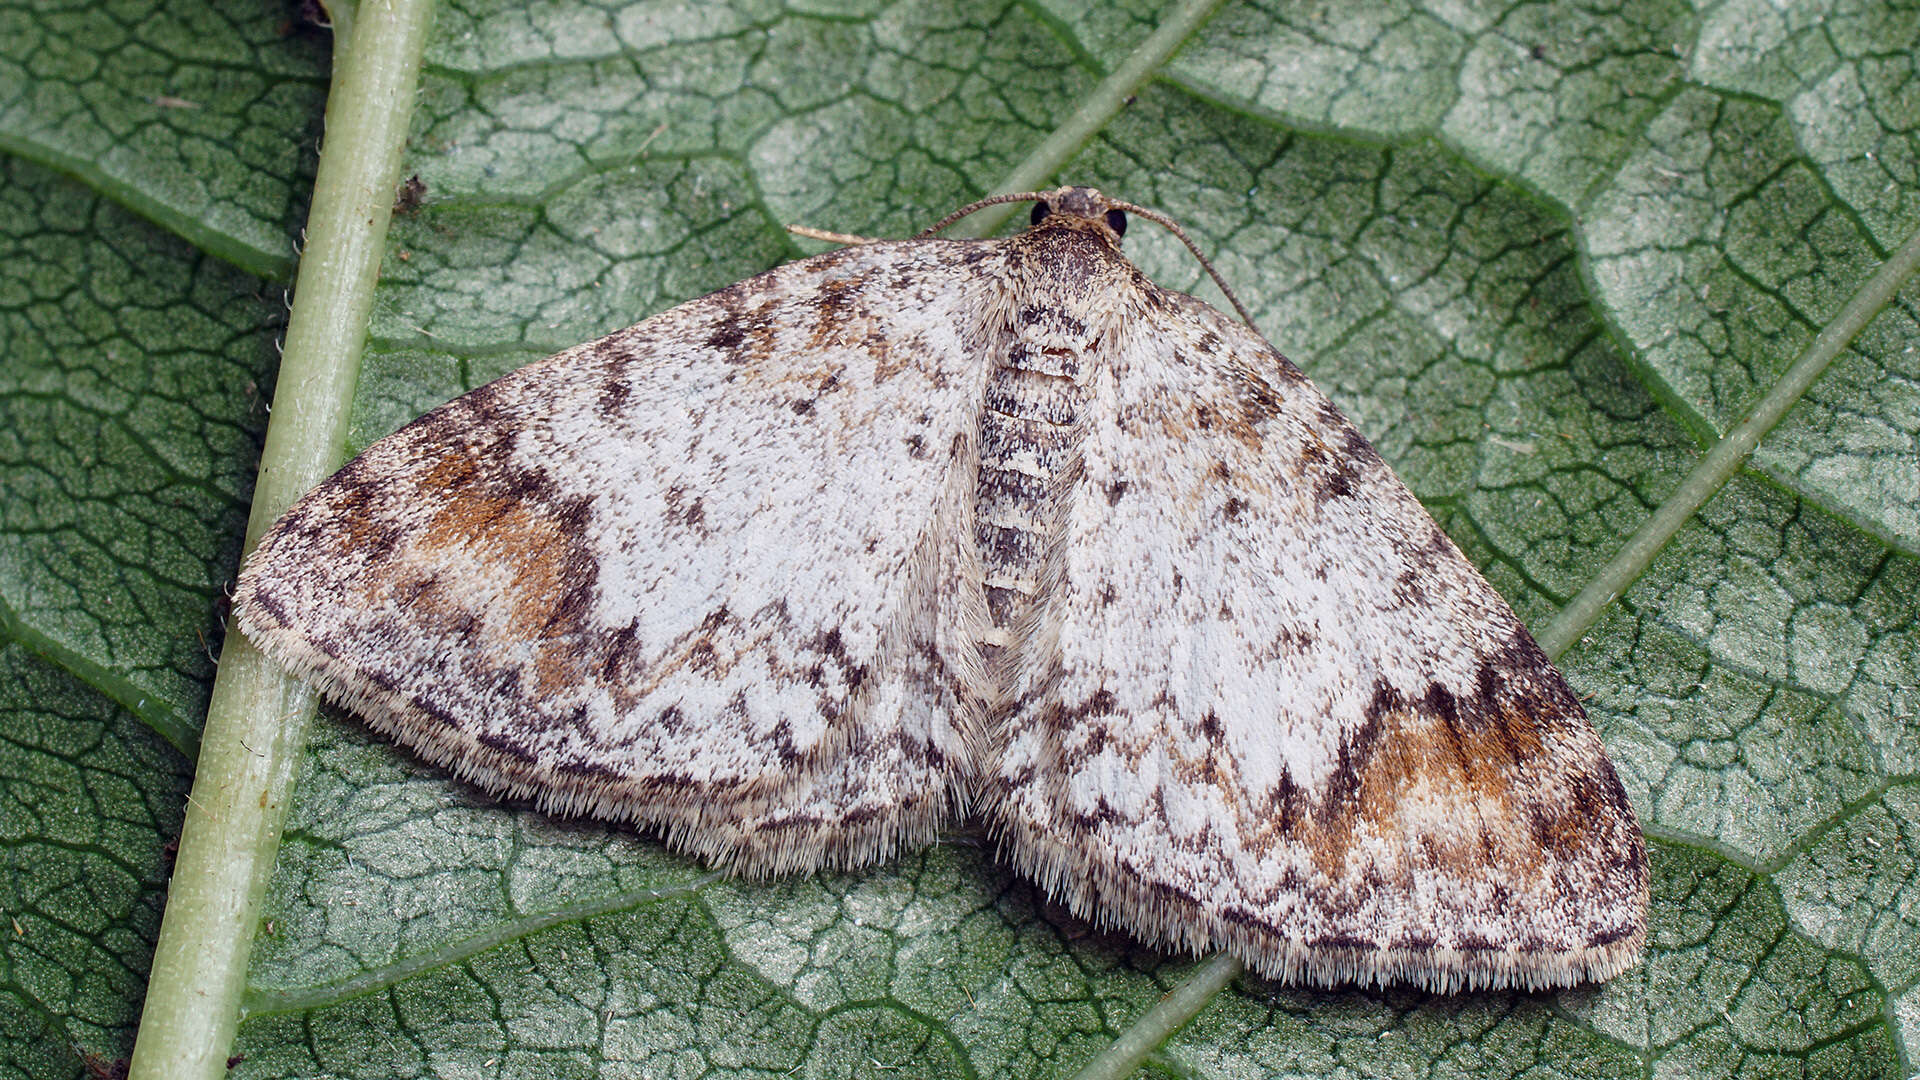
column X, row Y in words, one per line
column 1040, row 212
column 1117, row 221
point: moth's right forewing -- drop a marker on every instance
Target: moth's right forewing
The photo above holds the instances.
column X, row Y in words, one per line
column 693, row 574
column 1278, row 711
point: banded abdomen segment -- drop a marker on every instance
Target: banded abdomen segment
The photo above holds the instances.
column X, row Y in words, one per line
column 1029, row 456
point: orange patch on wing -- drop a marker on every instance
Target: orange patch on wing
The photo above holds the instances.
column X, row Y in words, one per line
column 505, row 530
column 1472, row 772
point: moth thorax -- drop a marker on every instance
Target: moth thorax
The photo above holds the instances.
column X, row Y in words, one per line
column 1029, row 455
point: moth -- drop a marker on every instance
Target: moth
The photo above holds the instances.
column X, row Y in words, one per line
column 802, row 572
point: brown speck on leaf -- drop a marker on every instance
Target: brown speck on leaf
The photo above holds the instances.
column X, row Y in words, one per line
column 410, row 194
column 101, row 1067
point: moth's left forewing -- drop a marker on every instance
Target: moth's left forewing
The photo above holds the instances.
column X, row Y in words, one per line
column 1283, row 714
column 694, row 574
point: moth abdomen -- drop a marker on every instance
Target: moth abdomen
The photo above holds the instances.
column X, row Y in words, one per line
column 1030, row 432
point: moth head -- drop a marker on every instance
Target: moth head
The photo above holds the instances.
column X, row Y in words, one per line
column 1081, row 204
column 1086, row 209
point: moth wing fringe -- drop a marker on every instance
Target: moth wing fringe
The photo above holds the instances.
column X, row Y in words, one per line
column 707, row 829
column 1110, row 898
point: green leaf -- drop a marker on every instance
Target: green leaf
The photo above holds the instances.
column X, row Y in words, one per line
column 130, row 402
column 89, row 794
column 197, row 116
column 1545, row 255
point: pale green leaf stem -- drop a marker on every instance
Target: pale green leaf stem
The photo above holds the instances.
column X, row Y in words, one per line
column 256, row 724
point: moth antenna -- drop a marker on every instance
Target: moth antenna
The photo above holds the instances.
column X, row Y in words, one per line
column 973, row 208
column 1173, row 227
column 843, row 239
